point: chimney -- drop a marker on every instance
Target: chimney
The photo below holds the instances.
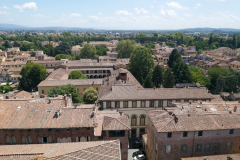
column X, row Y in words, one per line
column 175, row 119
column 235, row 109
column 120, row 113
column 75, row 106
column 49, row 100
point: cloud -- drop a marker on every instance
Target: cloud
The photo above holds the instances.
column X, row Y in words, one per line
column 100, row 13
column 100, row 19
column 4, row 7
column 198, row 5
column 37, row 15
column 26, row 6
column 188, row 15
column 176, row 5
column 168, row 13
column 141, row 10
column 152, row 6
column 75, row 15
column 3, row 12
column 126, row 13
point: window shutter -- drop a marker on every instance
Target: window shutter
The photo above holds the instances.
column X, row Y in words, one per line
column 40, row 140
column 49, row 139
column 14, row 139
column 69, row 139
column 58, row 140
column 30, row 139
column 23, row 139
column 7, row 140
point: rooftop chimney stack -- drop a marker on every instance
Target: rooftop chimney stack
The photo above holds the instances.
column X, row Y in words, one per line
column 235, row 109
column 121, row 112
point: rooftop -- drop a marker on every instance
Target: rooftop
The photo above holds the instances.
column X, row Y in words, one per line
column 216, row 157
column 75, row 82
column 107, row 150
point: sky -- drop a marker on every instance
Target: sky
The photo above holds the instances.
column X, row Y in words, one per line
column 122, row 14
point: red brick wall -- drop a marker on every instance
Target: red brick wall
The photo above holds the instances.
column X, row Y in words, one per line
column 192, row 139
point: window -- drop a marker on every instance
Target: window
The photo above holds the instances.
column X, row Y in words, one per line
column 151, row 103
column 44, row 139
column 168, row 148
column 125, row 104
column 185, row 134
column 200, row 133
column 231, row 131
column 218, row 132
column 134, row 104
column 117, row 104
column 42, row 91
column 97, row 89
column 229, row 145
column 156, row 147
column 178, row 101
column 169, row 103
column 216, row 146
column 184, row 148
column 77, row 89
column 109, row 105
column 142, row 103
column 134, row 120
column 207, row 147
column 198, row 147
column 84, row 89
column 169, row 134
column 116, row 133
column 160, row 103
column 142, row 120
column 186, row 100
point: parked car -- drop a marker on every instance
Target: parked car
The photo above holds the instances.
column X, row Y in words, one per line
column 138, row 153
column 137, row 145
column 139, row 157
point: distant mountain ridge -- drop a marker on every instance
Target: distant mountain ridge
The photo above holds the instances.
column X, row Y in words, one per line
column 18, row 27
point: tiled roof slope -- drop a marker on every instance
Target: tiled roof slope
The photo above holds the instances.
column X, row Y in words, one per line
column 163, row 121
column 50, row 83
column 120, row 123
column 216, row 157
column 131, row 92
column 107, row 150
column 39, row 113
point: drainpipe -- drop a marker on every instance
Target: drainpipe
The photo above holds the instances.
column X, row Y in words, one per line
column 193, row 143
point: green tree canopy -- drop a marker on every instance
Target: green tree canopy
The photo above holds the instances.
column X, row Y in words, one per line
column 198, row 76
column 88, row 51
column 168, row 79
column 90, row 96
column 157, row 76
column 77, row 75
column 32, row 74
column 181, row 72
column 125, row 48
column 148, row 81
column 101, row 49
column 173, row 57
column 33, row 54
column 7, row 44
column 63, row 48
column 66, row 89
column 141, row 63
column 64, row 56
column 214, row 74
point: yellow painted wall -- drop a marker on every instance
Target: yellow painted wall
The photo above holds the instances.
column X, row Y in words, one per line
column 78, row 87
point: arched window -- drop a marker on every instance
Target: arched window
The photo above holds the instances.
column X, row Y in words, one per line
column 26, row 140
column 134, row 120
column 142, row 119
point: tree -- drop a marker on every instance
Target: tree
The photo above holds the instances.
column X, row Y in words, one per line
column 2, row 48
column 88, row 51
column 173, row 57
column 6, row 44
column 63, row 48
column 198, row 76
column 141, row 63
column 142, row 37
column 157, row 76
column 234, row 41
column 148, row 82
column 33, row 54
column 32, row 74
column 168, row 79
column 90, row 96
column 101, row 49
column 49, row 50
column 210, row 41
column 125, row 48
column 181, row 72
column 64, row 56
column 77, row 75
column 66, row 89
column 214, row 74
